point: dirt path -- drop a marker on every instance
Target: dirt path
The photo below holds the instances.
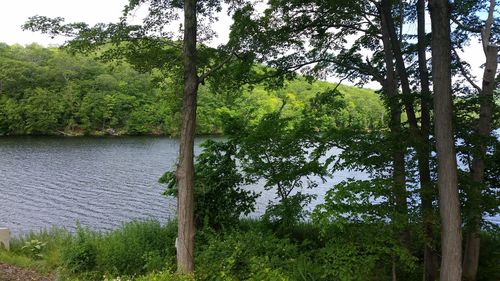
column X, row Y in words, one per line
column 13, row 273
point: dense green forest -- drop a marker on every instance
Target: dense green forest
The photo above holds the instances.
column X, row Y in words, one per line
column 47, row 91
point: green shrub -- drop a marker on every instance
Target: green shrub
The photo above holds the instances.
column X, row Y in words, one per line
column 136, row 248
column 34, row 248
column 133, row 249
column 233, row 256
column 260, row 270
column 219, row 196
column 47, row 258
column 81, row 253
column 252, row 251
column 289, row 212
column 489, row 255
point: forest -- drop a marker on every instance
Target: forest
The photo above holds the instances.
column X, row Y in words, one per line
column 427, row 138
column 47, row 91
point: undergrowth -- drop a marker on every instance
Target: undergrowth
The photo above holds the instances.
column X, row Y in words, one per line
column 251, row 250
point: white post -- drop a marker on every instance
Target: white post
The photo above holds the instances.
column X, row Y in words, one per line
column 5, row 238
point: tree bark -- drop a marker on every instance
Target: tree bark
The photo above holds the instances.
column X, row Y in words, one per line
column 395, row 45
column 185, row 169
column 472, row 245
column 451, row 236
column 426, row 186
column 390, row 89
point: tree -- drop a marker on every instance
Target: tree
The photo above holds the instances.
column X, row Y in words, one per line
column 185, row 168
column 392, row 50
column 478, row 167
column 427, row 187
column 282, row 153
column 151, row 45
column 451, row 235
column 316, row 32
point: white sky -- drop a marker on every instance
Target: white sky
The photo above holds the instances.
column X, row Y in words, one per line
column 14, row 13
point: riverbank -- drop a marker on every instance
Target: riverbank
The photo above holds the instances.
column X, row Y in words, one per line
column 250, row 250
column 111, row 132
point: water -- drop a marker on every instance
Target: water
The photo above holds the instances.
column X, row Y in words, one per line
column 100, row 182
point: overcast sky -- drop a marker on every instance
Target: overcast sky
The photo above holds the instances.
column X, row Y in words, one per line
column 14, row 13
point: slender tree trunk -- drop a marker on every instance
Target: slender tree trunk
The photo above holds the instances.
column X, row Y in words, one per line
column 390, row 89
column 185, row 169
column 426, row 186
column 473, row 242
column 395, row 45
column 451, row 236
column 472, row 245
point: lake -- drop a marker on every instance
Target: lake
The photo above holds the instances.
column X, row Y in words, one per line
column 99, row 182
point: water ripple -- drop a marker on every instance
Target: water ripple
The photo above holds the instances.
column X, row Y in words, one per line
column 99, row 182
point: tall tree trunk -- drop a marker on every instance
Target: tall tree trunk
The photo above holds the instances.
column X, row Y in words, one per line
column 426, row 186
column 395, row 45
column 185, row 169
column 420, row 135
column 473, row 242
column 390, row 89
column 472, row 245
column 451, row 236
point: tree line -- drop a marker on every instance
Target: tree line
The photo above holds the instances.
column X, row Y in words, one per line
column 48, row 91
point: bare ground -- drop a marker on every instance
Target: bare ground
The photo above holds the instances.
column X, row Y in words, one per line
column 14, row 273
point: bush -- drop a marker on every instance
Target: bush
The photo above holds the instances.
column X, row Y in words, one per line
column 219, row 198
column 237, row 255
column 252, row 251
column 290, row 211
column 81, row 254
column 489, row 255
column 136, row 248
column 34, row 248
column 55, row 240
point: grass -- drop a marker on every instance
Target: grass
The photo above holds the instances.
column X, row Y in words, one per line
column 252, row 250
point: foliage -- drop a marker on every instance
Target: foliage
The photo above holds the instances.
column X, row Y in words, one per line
column 280, row 133
column 251, row 250
column 279, row 151
column 133, row 249
column 465, row 121
column 34, row 248
column 51, row 253
column 165, row 275
column 219, row 197
column 489, row 254
column 81, row 254
column 49, row 91
column 244, row 256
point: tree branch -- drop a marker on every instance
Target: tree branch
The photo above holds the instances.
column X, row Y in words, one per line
column 214, row 69
column 342, row 80
column 466, row 28
column 464, row 72
column 485, row 33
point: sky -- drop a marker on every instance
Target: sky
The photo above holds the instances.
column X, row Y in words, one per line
column 14, row 13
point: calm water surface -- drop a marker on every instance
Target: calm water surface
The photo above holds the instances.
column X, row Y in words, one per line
column 100, row 182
